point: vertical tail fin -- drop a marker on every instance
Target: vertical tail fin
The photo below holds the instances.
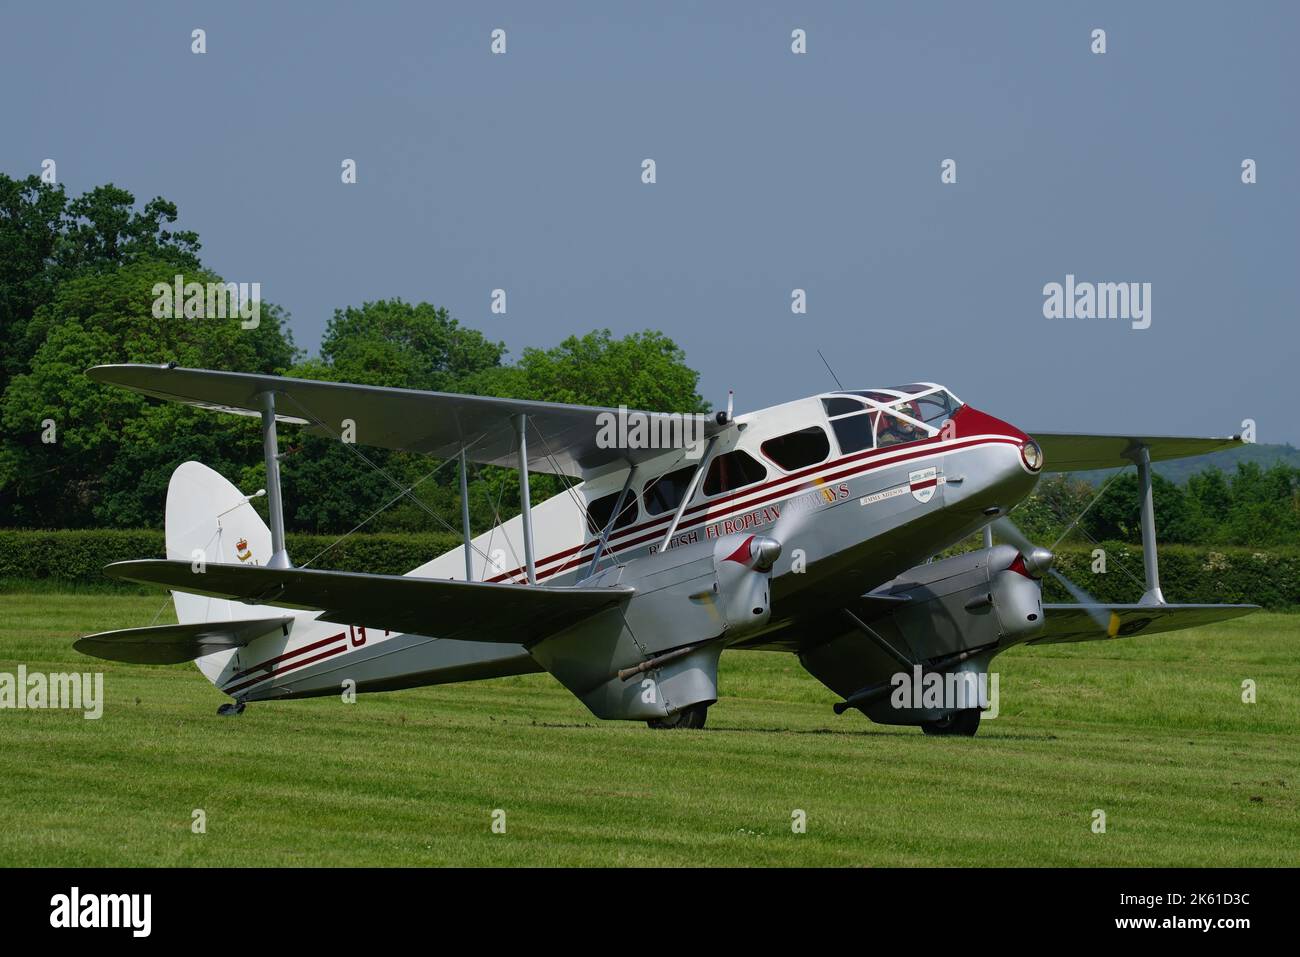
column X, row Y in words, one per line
column 211, row 521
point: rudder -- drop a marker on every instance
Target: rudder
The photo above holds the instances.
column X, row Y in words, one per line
column 209, row 520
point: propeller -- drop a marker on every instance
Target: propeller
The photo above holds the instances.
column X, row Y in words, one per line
column 1039, row 561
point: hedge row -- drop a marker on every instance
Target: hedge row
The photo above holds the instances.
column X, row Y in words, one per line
column 1187, row 573
column 79, row 556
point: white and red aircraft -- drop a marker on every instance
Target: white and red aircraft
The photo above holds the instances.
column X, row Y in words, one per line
column 807, row 527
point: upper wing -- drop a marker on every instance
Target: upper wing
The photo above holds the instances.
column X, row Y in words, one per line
column 437, row 423
column 471, row 611
column 1071, row 622
column 172, row 644
column 1078, row 452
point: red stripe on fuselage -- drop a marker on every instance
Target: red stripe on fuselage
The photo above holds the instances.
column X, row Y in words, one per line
column 328, row 653
column 719, row 509
column 288, row 654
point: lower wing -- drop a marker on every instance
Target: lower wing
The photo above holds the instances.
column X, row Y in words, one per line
column 441, row 608
column 1075, row 622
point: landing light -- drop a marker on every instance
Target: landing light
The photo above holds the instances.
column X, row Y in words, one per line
column 1032, row 455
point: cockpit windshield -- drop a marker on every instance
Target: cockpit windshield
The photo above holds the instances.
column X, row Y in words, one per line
column 866, row 418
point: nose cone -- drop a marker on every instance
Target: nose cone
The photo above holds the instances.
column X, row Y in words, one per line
column 758, row 552
column 766, row 552
column 991, row 463
column 1038, row 562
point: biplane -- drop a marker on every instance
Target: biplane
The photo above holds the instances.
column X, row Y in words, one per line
column 810, row 528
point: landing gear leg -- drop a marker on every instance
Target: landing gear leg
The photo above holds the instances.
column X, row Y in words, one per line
column 965, row 723
column 692, row 717
column 231, row 708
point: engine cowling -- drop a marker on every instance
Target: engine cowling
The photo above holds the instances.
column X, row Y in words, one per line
column 968, row 607
column 660, row 653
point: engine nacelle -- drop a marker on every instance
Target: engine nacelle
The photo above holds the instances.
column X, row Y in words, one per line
column 742, row 565
column 961, row 610
column 690, row 602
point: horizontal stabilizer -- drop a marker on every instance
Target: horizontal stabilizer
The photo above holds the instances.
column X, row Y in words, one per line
column 173, row 644
column 1071, row 622
column 439, row 608
column 1079, row 452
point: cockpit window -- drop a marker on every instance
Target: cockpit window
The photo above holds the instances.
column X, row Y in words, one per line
column 839, row 405
column 892, row 430
column 875, row 396
column 932, row 409
column 900, row 414
column 912, row 389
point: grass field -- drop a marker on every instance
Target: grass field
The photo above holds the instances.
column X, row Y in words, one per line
column 1151, row 730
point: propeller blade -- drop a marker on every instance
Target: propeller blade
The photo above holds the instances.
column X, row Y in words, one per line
column 1007, row 530
column 1105, row 619
column 790, row 523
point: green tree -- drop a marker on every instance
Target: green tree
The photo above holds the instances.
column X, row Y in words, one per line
column 643, row 370
column 388, row 343
column 46, row 239
column 31, row 222
column 1264, row 507
column 1117, row 515
column 115, row 450
column 1057, row 501
column 403, row 345
column 396, row 344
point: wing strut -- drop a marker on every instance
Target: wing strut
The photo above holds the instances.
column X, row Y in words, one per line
column 690, row 492
column 1150, row 560
column 464, row 517
column 609, row 526
column 525, row 503
column 270, row 452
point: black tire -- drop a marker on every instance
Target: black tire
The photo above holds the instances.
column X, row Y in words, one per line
column 690, row 718
column 964, row 723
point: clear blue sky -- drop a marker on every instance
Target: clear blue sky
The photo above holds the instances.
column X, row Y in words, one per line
column 775, row 171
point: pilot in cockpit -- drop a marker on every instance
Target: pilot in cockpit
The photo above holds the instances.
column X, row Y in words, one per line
column 895, row 431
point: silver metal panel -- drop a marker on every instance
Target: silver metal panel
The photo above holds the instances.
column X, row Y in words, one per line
column 403, row 661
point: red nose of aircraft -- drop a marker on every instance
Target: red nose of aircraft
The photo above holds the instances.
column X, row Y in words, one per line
column 996, row 463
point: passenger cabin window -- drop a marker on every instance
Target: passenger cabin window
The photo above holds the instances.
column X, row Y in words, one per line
column 665, row 493
column 600, row 511
column 798, row 449
column 733, row 470
column 854, row 432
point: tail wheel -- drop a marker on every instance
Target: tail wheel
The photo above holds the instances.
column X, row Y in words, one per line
column 965, row 723
column 692, row 717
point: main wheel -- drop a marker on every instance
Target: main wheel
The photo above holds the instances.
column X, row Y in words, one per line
column 692, row 717
column 965, row 722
